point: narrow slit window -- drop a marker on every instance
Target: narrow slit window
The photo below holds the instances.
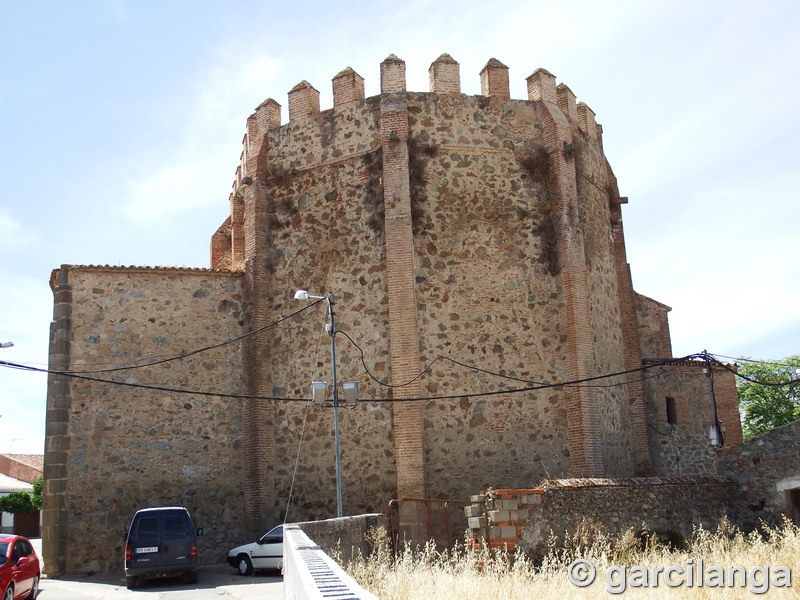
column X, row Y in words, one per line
column 672, row 417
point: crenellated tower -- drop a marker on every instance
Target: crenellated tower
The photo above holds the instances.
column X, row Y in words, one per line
column 484, row 304
column 482, row 229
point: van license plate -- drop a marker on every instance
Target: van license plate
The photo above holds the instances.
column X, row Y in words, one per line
column 147, row 549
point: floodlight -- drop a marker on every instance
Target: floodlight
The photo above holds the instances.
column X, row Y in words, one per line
column 318, row 389
column 350, row 391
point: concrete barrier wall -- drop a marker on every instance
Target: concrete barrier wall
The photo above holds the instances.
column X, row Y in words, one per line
column 310, row 574
column 344, row 537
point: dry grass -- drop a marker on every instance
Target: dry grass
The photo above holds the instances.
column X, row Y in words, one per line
column 229, row 263
column 427, row 574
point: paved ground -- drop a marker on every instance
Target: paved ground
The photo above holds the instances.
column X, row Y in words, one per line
column 214, row 582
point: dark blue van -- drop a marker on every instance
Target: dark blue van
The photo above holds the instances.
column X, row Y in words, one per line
column 162, row 542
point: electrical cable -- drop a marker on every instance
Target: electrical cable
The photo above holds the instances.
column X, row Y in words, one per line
column 199, row 350
column 276, row 325
column 670, row 432
column 474, row 368
column 430, row 364
column 573, row 383
column 629, row 381
column 157, row 388
column 302, row 435
column 790, row 382
column 773, row 363
column 720, row 441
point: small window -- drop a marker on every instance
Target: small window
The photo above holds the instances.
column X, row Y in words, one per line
column 672, row 417
column 794, row 500
column 148, row 527
column 16, row 553
column 175, row 527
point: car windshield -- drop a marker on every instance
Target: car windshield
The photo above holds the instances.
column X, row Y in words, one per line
column 3, row 552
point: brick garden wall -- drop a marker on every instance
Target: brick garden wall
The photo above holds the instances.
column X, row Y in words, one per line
column 527, row 518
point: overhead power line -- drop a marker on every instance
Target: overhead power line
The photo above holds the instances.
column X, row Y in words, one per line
column 199, row 350
column 543, row 386
column 727, row 367
column 74, row 375
column 472, row 368
column 772, row 363
column 531, row 388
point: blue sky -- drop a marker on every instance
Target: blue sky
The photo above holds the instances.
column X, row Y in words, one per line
column 121, row 124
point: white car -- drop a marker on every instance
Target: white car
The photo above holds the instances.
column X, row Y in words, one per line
column 266, row 553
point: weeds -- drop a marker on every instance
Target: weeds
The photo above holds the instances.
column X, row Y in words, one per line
column 538, row 165
column 231, row 263
column 418, row 156
column 372, row 163
column 425, row 572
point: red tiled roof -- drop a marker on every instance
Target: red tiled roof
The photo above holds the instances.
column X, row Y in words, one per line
column 138, row 269
column 32, row 460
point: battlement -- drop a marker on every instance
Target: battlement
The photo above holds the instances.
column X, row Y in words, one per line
column 445, row 78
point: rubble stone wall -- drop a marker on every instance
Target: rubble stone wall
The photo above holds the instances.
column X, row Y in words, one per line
column 765, row 469
column 127, row 448
column 529, row 519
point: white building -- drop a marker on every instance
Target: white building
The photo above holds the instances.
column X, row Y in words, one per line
column 9, row 485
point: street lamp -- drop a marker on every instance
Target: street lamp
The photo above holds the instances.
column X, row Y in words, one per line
column 317, row 392
column 6, row 344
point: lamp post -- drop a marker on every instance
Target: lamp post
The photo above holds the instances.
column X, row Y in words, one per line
column 331, row 328
column 6, row 344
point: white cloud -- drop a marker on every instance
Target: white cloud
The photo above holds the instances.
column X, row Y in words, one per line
column 12, row 233
column 717, row 316
column 198, row 169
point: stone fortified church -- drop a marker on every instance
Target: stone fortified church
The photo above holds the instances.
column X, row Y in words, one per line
column 483, row 229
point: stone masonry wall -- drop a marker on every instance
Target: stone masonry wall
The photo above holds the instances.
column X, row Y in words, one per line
column 489, row 291
column 765, row 469
column 323, row 232
column 127, row 448
column 485, row 295
column 478, row 229
column 653, row 327
column 347, row 537
column 485, row 299
column 684, row 447
column 326, row 201
column 528, row 518
column 608, row 349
